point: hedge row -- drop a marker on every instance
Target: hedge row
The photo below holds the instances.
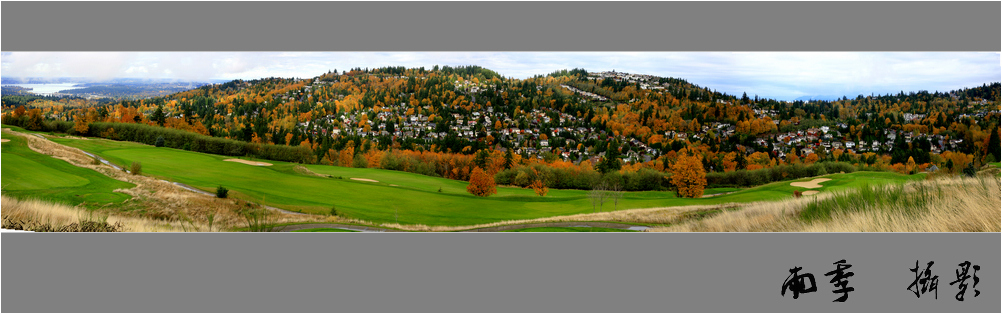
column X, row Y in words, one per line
column 746, row 178
column 558, row 178
column 195, row 142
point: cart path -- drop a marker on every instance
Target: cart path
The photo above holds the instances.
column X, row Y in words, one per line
column 611, row 225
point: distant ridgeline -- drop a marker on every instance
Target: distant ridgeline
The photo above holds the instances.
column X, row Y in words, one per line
column 119, row 88
column 8, row 90
column 446, row 121
column 132, row 91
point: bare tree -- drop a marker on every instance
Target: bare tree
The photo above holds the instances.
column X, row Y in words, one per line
column 616, row 193
column 599, row 195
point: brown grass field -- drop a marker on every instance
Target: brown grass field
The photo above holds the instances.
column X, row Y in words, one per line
column 964, row 205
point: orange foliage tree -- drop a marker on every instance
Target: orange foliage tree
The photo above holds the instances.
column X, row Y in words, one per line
column 347, row 155
column 688, row 176
column 481, row 184
column 539, row 187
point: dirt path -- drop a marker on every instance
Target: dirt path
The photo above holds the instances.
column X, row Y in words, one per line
column 291, row 228
column 585, row 224
column 564, row 224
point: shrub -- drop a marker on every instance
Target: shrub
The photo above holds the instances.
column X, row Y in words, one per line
column 797, row 194
column 333, row 210
column 159, row 142
column 521, row 179
column 222, row 192
column 970, row 171
column 137, row 168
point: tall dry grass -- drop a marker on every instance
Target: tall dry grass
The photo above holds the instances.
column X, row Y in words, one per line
column 38, row 212
column 946, row 204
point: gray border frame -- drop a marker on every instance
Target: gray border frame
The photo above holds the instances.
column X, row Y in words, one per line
column 501, row 26
column 716, row 272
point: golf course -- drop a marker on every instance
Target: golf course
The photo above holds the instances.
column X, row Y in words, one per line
column 28, row 174
column 373, row 195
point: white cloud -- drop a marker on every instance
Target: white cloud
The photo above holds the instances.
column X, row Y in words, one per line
column 783, row 75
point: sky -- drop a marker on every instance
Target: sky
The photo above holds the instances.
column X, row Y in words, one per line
column 778, row 75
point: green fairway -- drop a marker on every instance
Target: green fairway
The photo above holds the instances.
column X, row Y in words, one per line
column 402, row 197
column 324, row 230
column 570, row 229
column 27, row 173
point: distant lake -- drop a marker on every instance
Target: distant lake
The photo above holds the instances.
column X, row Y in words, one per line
column 46, row 89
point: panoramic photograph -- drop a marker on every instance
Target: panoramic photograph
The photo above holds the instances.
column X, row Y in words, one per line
column 501, row 141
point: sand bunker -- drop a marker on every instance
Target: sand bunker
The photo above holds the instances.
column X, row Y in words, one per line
column 4, row 140
column 366, row 180
column 811, row 192
column 248, row 162
column 813, row 184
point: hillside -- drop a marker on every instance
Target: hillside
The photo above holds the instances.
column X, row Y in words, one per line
column 447, row 121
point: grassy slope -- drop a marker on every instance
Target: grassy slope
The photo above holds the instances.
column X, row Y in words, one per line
column 414, row 200
column 27, row 173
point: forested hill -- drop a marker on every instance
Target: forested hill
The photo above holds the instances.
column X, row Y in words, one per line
column 610, row 119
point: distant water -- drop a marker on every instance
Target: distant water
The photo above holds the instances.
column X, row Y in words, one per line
column 46, row 89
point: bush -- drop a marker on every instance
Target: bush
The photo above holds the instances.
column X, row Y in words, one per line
column 136, row 169
column 184, row 140
column 159, row 142
column 970, row 171
column 222, row 192
column 333, row 210
column 521, row 179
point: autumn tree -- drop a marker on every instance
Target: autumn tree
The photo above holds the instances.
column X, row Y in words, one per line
column 811, row 158
column 347, row 155
column 80, row 124
column 688, row 176
column 481, row 184
column 539, row 187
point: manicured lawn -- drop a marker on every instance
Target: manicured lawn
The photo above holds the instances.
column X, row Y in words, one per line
column 401, row 197
column 570, row 229
column 324, row 230
column 28, row 174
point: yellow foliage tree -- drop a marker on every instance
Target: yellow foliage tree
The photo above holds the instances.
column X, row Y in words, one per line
column 688, row 176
